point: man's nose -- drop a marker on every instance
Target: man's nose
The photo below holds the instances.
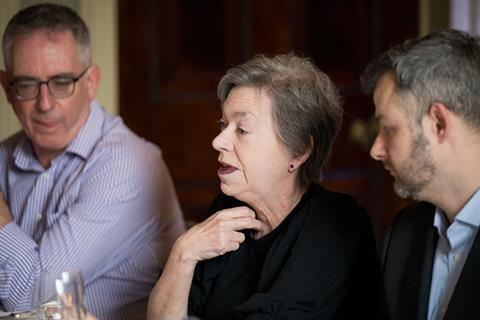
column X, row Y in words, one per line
column 377, row 151
column 45, row 101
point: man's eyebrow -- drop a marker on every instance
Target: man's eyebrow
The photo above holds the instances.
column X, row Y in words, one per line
column 64, row 74
column 24, row 78
column 58, row 75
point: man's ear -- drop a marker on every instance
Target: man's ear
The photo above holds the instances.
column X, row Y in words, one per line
column 440, row 121
column 6, row 87
column 93, row 80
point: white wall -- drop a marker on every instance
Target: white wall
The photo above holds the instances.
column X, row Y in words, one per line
column 465, row 15
column 8, row 120
column 101, row 18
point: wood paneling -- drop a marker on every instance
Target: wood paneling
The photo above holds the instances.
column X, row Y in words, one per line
column 172, row 54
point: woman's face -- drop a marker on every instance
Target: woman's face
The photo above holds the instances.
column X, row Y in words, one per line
column 253, row 163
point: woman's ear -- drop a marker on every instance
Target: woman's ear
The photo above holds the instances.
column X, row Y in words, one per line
column 298, row 161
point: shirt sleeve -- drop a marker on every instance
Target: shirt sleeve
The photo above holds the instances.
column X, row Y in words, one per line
column 123, row 202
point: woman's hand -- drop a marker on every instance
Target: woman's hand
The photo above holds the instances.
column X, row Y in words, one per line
column 217, row 235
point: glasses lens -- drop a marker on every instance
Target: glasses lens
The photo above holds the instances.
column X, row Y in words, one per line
column 61, row 87
column 26, row 89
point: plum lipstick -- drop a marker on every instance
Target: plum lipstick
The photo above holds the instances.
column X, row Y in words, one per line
column 226, row 169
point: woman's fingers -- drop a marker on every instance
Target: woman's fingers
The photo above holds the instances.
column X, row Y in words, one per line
column 220, row 233
column 236, row 212
column 238, row 237
column 227, row 224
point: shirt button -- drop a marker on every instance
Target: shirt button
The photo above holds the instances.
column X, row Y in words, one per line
column 45, row 175
column 457, row 257
column 39, row 216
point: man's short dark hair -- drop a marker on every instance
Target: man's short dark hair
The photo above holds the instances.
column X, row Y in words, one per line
column 443, row 67
column 50, row 18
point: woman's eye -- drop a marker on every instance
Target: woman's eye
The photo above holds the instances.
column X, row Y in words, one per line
column 241, row 131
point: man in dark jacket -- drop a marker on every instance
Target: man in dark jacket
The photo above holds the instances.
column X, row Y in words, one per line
column 427, row 102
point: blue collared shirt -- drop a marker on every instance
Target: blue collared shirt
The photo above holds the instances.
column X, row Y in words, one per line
column 106, row 206
column 454, row 244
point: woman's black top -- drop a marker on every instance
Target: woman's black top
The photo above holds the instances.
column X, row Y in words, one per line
column 319, row 263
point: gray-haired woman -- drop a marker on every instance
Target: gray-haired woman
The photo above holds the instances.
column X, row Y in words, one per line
column 276, row 244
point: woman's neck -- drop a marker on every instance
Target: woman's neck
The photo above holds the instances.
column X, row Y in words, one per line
column 273, row 209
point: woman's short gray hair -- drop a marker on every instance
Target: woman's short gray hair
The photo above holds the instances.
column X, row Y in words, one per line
column 307, row 111
column 48, row 17
column 443, row 67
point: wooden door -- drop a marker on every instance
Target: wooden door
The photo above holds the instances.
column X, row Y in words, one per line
column 173, row 52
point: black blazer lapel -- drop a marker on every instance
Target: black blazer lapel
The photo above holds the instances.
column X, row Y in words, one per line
column 407, row 263
column 426, row 277
column 465, row 301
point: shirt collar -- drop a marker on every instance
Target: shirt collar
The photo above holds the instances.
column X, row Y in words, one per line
column 469, row 214
column 88, row 135
column 24, row 156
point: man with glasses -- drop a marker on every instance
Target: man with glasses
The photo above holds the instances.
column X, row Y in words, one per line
column 77, row 188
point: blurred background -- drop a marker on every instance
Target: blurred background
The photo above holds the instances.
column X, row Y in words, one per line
column 161, row 61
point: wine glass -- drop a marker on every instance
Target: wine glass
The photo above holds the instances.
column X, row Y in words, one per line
column 59, row 297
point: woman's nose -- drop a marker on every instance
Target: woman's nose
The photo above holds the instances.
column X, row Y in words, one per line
column 222, row 142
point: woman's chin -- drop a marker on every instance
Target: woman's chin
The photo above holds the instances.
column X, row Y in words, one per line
column 226, row 189
column 230, row 191
column 241, row 192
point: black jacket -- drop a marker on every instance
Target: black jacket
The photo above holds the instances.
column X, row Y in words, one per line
column 407, row 269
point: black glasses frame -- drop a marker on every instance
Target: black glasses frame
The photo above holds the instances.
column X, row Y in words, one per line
column 38, row 83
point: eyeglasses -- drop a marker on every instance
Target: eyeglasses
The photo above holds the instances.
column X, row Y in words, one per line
column 60, row 86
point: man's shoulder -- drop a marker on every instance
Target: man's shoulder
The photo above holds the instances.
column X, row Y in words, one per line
column 409, row 226
column 8, row 146
column 118, row 143
column 408, row 245
column 120, row 155
column 11, row 142
column 417, row 215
